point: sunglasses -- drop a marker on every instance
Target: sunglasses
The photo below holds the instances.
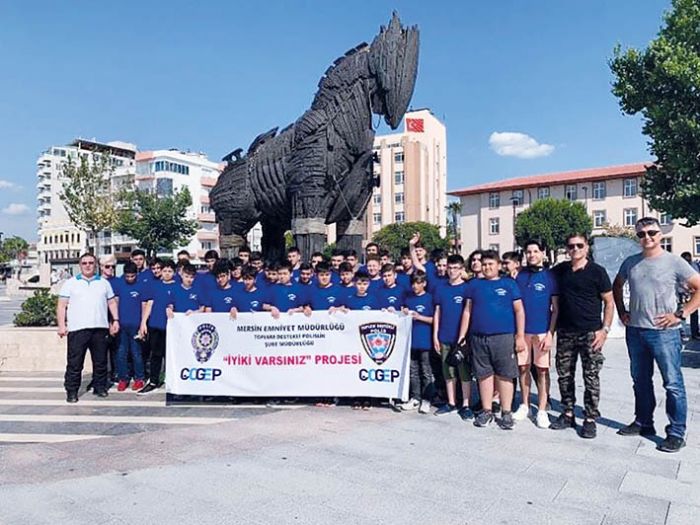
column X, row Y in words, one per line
column 648, row 233
column 578, row 245
column 87, row 263
column 108, row 266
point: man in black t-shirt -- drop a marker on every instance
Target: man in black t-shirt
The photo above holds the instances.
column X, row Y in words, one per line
column 584, row 287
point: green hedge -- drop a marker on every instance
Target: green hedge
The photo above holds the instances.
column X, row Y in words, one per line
column 38, row 310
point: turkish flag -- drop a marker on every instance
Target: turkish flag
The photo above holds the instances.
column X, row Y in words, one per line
column 415, row 125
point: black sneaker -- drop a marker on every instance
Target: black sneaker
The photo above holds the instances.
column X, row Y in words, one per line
column 71, row 397
column 506, row 422
column 671, row 444
column 588, row 430
column 465, row 413
column 148, row 389
column 563, row 421
column 483, row 418
column 445, row 409
column 100, row 393
column 635, row 429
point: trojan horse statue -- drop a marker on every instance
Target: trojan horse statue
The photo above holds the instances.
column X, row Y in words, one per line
column 319, row 170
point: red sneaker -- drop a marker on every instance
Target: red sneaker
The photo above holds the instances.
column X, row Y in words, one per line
column 138, row 385
column 123, row 383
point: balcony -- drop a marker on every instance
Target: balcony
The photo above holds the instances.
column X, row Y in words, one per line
column 204, row 199
column 206, row 217
column 208, row 182
column 207, row 236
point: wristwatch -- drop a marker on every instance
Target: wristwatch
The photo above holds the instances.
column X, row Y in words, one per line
column 606, row 329
column 679, row 313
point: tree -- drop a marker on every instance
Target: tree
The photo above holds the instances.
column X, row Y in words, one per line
column 550, row 221
column 662, row 83
column 88, row 196
column 395, row 237
column 155, row 221
column 12, row 247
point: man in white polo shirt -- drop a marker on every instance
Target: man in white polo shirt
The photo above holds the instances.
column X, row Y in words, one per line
column 85, row 298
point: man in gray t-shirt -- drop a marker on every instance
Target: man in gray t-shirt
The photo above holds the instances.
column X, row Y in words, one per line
column 652, row 334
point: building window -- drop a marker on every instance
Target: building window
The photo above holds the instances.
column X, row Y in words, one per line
column 571, row 193
column 174, row 167
column 543, row 192
column 398, row 177
column 599, row 218
column 398, row 156
column 205, row 209
column 494, row 200
column 377, row 218
column 598, row 191
column 164, row 187
column 494, row 226
column 665, row 219
column 399, row 217
column 495, row 247
column 667, row 244
column 398, row 198
column 697, row 245
column 517, row 199
column 629, row 187
column 377, row 198
column 630, row 216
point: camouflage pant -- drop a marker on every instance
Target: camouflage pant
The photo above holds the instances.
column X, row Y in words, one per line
column 569, row 346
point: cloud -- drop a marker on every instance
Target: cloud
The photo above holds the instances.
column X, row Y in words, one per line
column 6, row 184
column 520, row 145
column 15, row 209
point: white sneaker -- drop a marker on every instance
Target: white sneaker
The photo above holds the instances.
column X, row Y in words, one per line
column 424, row 407
column 411, row 404
column 542, row 419
column 522, row 412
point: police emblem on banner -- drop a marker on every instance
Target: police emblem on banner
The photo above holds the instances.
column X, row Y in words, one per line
column 378, row 340
column 204, row 341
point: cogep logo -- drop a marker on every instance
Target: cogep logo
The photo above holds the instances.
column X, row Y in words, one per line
column 379, row 375
column 200, row 374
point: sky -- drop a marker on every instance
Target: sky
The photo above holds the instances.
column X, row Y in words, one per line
column 523, row 87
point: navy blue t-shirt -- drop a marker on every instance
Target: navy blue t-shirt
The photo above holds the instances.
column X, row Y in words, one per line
column 222, row 299
column 436, row 282
column 161, row 295
column 323, row 298
column 450, row 299
column 285, row 297
column 492, row 305
column 145, row 276
column 537, row 288
column 421, row 333
column 251, row 301
column 375, row 284
column 184, row 299
column 364, row 302
column 391, row 297
column 403, row 279
column 129, row 302
column 206, row 281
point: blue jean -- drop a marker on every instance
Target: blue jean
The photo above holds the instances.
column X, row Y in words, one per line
column 645, row 346
column 128, row 346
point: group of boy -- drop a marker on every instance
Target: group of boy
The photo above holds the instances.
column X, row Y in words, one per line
column 500, row 316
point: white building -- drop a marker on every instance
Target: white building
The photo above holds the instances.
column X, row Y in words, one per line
column 611, row 196
column 412, row 169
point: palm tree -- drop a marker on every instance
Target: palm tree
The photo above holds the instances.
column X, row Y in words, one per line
column 454, row 212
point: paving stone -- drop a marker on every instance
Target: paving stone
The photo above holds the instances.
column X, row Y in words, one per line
column 660, row 488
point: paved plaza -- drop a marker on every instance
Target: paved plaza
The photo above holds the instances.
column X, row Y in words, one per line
column 128, row 459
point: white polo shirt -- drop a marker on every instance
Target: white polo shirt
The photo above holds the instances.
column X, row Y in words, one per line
column 87, row 302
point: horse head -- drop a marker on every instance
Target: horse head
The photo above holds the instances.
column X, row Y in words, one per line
column 393, row 63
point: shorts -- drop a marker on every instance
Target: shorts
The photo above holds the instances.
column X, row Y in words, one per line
column 494, row 355
column 533, row 353
column 451, row 372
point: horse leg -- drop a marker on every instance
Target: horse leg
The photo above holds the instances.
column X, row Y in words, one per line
column 273, row 241
column 230, row 240
column 350, row 234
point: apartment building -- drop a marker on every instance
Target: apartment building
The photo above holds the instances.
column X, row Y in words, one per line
column 610, row 194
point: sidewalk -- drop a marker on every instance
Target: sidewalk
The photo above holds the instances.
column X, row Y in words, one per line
column 338, row 466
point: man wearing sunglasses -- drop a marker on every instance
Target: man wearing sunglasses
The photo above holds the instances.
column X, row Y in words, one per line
column 584, row 287
column 82, row 316
column 653, row 322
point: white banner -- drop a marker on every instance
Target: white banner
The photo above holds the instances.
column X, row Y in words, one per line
column 359, row 353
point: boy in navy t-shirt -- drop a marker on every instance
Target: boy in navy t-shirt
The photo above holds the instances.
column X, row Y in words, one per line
column 419, row 305
column 129, row 293
column 285, row 296
column 221, row 297
column 391, row 294
column 373, row 268
column 250, row 298
column 361, row 299
column 156, row 298
column 186, row 297
column 449, row 303
column 495, row 320
column 325, row 295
